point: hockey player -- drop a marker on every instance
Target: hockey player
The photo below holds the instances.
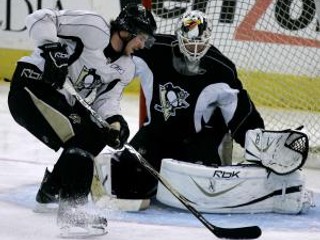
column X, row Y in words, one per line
column 193, row 98
column 79, row 48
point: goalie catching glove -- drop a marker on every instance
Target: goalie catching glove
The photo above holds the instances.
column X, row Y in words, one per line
column 118, row 133
column 56, row 64
column 282, row 152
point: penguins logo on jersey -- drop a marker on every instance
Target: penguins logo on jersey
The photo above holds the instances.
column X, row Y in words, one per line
column 88, row 78
column 171, row 98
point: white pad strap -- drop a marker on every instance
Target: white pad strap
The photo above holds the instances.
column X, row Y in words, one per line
column 282, row 152
column 102, row 164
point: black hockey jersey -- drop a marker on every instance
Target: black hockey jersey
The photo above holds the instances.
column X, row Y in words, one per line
column 183, row 105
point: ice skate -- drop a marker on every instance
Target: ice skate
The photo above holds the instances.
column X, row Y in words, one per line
column 79, row 220
column 47, row 197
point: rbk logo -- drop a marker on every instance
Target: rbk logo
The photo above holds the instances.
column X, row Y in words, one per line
column 29, row 73
column 225, row 174
column 118, row 68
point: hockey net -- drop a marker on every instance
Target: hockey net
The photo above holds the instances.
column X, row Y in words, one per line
column 275, row 46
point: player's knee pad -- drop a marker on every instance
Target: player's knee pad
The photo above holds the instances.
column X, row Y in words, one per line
column 76, row 172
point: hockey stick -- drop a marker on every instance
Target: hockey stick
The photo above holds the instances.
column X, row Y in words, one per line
column 251, row 232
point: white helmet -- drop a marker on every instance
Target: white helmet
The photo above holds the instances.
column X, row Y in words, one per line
column 193, row 34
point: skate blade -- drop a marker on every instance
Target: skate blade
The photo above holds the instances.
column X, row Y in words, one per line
column 81, row 233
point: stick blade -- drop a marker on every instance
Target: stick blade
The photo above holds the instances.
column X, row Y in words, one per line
column 251, row 232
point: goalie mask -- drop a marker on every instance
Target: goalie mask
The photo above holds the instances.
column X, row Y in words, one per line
column 193, row 34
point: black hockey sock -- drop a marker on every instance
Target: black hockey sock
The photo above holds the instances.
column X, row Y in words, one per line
column 76, row 171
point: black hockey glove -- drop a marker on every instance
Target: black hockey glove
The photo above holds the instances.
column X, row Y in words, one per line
column 118, row 133
column 56, row 64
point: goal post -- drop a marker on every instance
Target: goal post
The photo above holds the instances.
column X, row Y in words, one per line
column 275, row 46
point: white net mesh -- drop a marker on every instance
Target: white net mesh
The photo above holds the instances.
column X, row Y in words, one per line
column 275, row 46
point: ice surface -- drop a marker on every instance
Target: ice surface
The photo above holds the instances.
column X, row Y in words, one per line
column 22, row 163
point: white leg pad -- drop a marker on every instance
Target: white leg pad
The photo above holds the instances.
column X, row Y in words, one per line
column 102, row 167
column 234, row 189
column 101, row 189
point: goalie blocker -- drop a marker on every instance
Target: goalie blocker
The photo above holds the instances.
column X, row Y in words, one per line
column 234, row 189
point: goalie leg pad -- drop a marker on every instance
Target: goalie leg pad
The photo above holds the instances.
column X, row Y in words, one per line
column 101, row 190
column 234, row 189
column 102, row 175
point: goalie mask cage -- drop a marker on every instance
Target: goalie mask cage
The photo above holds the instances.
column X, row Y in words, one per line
column 275, row 46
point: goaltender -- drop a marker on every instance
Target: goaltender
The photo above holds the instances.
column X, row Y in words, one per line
column 194, row 99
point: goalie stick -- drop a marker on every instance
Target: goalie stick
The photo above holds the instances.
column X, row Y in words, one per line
column 250, row 232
